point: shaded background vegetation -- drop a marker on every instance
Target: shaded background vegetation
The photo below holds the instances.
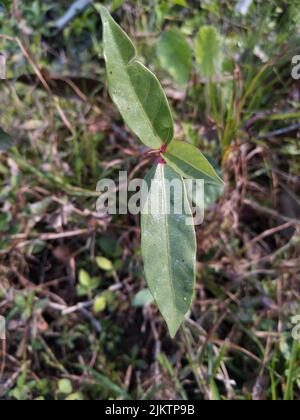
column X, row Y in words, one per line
column 80, row 320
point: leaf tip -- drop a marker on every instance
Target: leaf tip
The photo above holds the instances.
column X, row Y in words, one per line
column 173, row 328
column 221, row 182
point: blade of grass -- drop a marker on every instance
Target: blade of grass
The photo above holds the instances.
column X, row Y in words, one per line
column 288, row 395
column 163, row 360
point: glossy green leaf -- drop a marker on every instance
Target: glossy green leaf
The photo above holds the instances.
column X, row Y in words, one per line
column 134, row 89
column 189, row 162
column 208, row 51
column 5, row 140
column 168, row 245
column 175, row 56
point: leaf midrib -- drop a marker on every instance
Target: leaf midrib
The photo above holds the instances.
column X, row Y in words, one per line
column 194, row 167
column 170, row 270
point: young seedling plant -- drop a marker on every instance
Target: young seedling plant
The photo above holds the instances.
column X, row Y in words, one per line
column 168, row 241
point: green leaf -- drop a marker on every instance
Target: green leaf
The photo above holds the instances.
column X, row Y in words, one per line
column 142, row 298
column 104, row 264
column 189, row 162
column 99, row 303
column 65, row 386
column 175, row 56
column 84, row 278
column 134, row 89
column 5, row 140
column 168, row 246
column 208, row 51
column 76, row 396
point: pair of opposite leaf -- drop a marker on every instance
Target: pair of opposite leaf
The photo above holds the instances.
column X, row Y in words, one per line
column 168, row 242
